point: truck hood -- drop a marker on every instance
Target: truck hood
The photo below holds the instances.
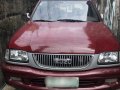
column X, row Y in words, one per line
column 64, row 37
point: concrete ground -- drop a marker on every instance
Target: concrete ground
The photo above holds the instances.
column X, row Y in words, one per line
column 2, row 84
column 7, row 87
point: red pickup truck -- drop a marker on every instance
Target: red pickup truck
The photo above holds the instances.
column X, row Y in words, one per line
column 64, row 46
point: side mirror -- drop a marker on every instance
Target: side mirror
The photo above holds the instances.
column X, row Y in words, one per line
column 28, row 15
column 102, row 16
column 25, row 16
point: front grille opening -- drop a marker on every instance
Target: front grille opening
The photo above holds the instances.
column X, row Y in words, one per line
column 62, row 61
column 82, row 83
column 38, row 82
column 90, row 83
column 35, row 82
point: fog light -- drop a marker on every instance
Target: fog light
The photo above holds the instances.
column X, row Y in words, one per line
column 111, row 80
column 15, row 78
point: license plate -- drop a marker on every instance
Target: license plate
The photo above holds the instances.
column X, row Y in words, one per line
column 62, row 82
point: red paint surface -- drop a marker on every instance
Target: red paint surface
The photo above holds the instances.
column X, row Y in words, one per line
column 64, row 37
column 29, row 73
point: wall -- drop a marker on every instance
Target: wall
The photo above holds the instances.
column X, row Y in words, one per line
column 110, row 11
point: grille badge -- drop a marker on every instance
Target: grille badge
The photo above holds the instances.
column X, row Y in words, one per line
column 63, row 61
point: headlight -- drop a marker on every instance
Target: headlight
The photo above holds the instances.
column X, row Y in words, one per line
column 16, row 56
column 108, row 58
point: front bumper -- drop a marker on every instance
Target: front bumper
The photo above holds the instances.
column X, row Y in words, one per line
column 27, row 75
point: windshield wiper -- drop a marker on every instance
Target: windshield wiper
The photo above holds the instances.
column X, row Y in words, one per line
column 63, row 20
column 42, row 21
column 70, row 20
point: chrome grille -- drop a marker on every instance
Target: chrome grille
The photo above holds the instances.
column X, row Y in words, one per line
column 62, row 61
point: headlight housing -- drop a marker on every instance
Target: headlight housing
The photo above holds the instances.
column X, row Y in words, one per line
column 16, row 56
column 108, row 58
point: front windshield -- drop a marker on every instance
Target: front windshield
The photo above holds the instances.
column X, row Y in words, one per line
column 68, row 10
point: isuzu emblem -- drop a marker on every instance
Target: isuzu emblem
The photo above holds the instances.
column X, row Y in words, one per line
column 63, row 61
